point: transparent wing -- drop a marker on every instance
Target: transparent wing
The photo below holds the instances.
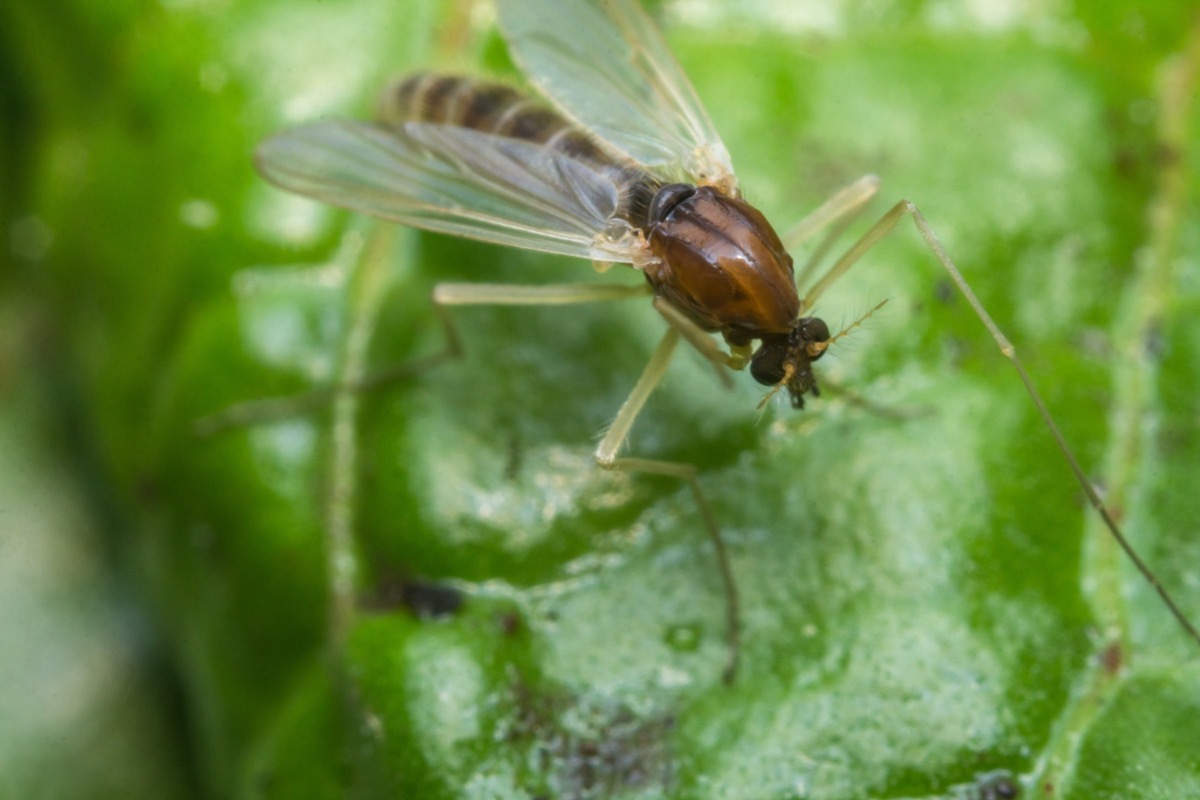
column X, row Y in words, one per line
column 453, row 180
column 604, row 63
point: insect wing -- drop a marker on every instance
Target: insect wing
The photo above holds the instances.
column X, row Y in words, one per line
column 604, row 63
column 453, row 180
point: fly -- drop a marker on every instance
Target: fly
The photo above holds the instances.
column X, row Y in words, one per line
column 618, row 164
column 703, row 250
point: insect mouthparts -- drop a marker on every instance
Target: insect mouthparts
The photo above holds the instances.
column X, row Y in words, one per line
column 785, row 360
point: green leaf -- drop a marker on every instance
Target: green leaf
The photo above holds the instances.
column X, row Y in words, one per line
column 430, row 590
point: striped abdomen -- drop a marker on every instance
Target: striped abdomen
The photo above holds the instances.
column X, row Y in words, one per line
column 504, row 111
column 490, row 108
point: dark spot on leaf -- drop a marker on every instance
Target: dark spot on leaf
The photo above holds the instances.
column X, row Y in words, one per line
column 514, row 457
column 1153, row 341
column 1112, row 658
column 1167, row 155
column 945, row 292
column 998, row 785
column 592, row 748
column 510, row 624
column 1125, row 162
column 425, row 599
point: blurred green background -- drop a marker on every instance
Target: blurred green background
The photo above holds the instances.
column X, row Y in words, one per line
column 929, row 607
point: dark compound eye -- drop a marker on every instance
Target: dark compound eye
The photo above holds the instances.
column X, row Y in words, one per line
column 812, row 329
column 766, row 365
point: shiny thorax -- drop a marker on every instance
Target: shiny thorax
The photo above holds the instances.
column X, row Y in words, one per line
column 721, row 263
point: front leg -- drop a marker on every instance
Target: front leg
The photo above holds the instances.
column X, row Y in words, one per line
column 606, row 457
column 737, row 358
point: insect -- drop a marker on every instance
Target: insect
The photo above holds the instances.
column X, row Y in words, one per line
column 619, row 165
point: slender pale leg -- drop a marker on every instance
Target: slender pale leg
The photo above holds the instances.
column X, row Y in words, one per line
column 606, row 454
column 255, row 412
column 880, row 229
column 834, row 215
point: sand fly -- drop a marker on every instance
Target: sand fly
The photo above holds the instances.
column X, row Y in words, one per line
column 613, row 160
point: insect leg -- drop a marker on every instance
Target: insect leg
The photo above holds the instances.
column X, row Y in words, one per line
column 504, row 294
column 702, row 340
column 847, row 201
column 450, row 294
column 836, row 213
column 882, row 228
column 254, row 412
column 606, row 457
